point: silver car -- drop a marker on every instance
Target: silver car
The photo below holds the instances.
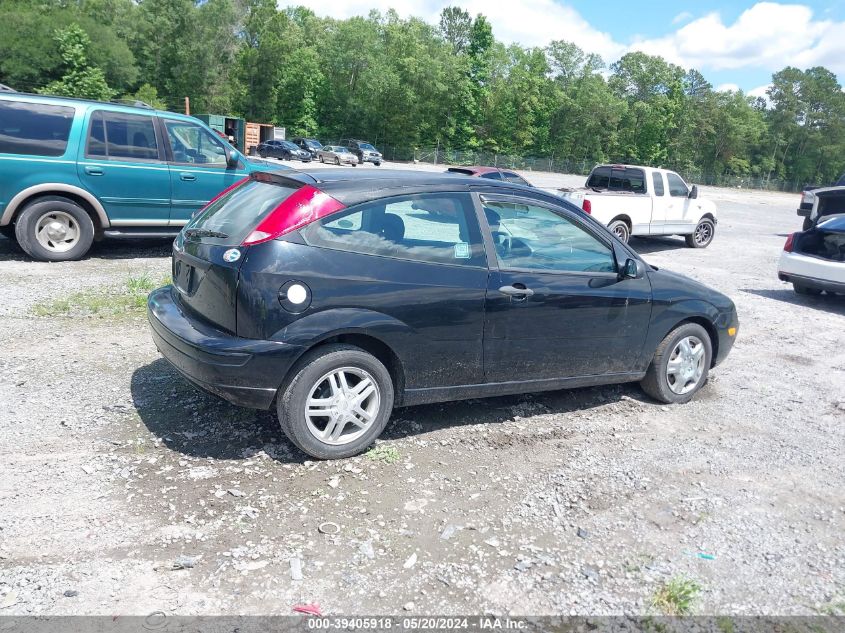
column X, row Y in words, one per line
column 336, row 154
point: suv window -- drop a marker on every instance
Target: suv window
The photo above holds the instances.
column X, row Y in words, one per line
column 677, row 187
column 531, row 237
column 657, row 179
column 114, row 135
column 492, row 175
column 617, row 179
column 439, row 228
column 194, row 144
column 509, row 176
column 34, row 129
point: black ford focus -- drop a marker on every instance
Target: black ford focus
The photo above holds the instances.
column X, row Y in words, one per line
column 335, row 296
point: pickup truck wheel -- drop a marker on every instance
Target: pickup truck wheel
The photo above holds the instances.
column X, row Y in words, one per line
column 704, row 233
column 620, row 229
column 54, row 229
column 680, row 365
column 337, row 403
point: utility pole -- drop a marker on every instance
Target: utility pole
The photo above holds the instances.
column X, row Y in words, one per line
column 187, row 105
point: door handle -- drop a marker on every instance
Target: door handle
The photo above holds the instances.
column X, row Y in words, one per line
column 187, row 177
column 516, row 291
column 94, row 171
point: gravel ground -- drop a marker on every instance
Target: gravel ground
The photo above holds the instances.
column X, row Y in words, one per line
column 124, row 490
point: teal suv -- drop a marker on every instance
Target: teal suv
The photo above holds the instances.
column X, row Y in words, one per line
column 74, row 171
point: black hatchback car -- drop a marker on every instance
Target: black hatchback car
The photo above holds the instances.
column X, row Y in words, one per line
column 335, row 296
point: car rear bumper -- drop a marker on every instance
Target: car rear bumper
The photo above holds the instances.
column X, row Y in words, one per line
column 245, row 372
column 812, row 272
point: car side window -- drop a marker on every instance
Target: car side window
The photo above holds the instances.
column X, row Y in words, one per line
column 528, row 236
column 34, row 129
column 677, row 187
column 509, row 176
column 657, row 179
column 192, row 143
column 492, row 175
column 118, row 136
column 439, row 228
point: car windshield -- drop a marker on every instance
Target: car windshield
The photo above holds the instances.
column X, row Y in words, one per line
column 288, row 145
column 366, row 146
column 340, row 150
column 313, row 144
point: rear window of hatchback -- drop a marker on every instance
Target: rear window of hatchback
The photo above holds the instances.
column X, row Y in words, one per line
column 34, row 129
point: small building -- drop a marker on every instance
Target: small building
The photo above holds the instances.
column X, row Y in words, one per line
column 257, row 133
column 228, row 126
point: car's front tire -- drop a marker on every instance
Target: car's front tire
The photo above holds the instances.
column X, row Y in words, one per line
column 703, row 234
column 54, row 229
column 680, row 365
column 337, row 402
column 378, row 164
column 337, row 162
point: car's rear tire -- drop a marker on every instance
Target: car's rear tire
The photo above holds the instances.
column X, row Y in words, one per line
column 680, row 365
column 321, row 159
column 703, row 234
column 620, row 229
column 334, row 379
column 805, row 290
column 337, row 161
column 54, row 229
column 378, row 164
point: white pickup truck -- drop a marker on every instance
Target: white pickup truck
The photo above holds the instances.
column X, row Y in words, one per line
column 635, row 200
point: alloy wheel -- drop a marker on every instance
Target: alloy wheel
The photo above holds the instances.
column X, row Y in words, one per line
column 342, row 405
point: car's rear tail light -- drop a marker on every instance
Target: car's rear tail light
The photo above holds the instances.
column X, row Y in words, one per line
column 790, row 243
column 587, row 206
column 302, row 207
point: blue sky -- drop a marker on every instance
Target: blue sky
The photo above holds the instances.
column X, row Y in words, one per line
column 736, row 45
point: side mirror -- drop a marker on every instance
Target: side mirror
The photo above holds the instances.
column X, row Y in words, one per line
column 634, row 269
column 693, row 193
column 231, row 157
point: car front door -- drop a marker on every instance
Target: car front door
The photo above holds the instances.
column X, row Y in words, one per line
column 678, row 217
column 122, row 163
column 198, row 167
column 556, row 305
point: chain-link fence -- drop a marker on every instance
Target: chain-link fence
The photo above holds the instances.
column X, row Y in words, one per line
column 439, row 156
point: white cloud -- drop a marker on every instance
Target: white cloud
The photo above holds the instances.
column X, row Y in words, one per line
column 727, row 88
column 530, row 22
column 683, row 16
column 767, row 35
column 760, row 91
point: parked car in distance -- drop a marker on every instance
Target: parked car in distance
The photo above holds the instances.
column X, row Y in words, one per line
column 337, row 154
column 310, row 145
column 491, row 173
column 808, row 199
column 813, row 261
column 364, row 151
column 335, row 297
column 283, row 150
column 636, row 200
column 72, row 171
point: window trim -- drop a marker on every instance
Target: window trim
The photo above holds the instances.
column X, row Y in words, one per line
column 120, row 159
column 170, row 156
column 566, row 214
column 387, row 200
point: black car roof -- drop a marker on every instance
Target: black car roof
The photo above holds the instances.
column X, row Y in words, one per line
column 351, row 185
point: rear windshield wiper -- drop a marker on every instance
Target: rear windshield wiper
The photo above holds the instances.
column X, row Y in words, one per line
column 205, row 233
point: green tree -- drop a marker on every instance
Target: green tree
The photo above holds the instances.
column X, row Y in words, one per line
column 80, row 78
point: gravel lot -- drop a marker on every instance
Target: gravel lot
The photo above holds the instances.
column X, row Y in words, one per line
column 125, row 491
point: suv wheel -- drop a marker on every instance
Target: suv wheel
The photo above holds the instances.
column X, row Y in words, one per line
column 704, row 233
column 54, row 230
column 680, row 365
column 337, row 403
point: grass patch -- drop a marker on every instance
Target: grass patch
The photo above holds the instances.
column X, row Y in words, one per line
column 676, row 596
column 383, row 453
column 129, row 299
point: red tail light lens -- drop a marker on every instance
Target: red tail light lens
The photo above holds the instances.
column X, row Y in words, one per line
column 790, row 243
column 587, row 206
column 302, row 207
